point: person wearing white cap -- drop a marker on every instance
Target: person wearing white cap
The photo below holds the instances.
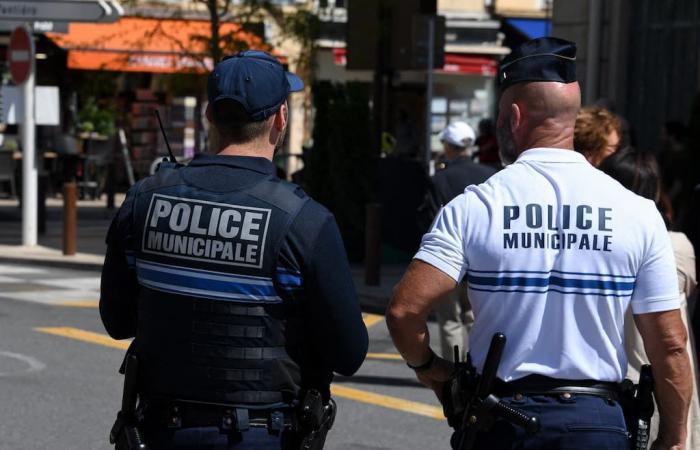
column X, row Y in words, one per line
column 458, row 136
column 454, row 313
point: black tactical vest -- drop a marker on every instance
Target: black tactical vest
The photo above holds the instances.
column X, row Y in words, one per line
column 211, row 323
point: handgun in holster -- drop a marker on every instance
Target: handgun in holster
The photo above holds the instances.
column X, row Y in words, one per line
column 470, row 407
column 125, row 434
column 315, row 420
column 637, row 402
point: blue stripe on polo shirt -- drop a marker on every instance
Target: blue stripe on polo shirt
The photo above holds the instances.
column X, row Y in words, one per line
column 546, row 272
column 551, row 289
column 552, row 280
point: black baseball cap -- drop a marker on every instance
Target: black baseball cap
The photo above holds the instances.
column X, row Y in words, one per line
column 256, row 80
column 542, row 59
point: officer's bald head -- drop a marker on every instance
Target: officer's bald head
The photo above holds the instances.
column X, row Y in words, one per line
column 537, row 114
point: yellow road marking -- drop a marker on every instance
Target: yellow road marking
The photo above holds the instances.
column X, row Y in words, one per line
column 371, row 319
column 387, row 401
column 85, row 336
column 389, row 356
column 79, row 304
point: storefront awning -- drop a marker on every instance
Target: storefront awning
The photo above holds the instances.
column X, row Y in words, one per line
column 469, row 65
column 531, row 28
column 138, row 44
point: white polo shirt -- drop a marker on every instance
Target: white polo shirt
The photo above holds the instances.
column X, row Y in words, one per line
column 554, row 252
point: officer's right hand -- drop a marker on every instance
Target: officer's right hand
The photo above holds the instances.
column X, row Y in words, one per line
column 437, row 375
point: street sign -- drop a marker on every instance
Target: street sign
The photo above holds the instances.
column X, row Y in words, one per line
column 102, row 11
column 21, row 55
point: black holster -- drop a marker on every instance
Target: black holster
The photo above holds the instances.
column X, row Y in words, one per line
column 472, row 407
column 124, row 434
column 637, row 403
column 315, row 420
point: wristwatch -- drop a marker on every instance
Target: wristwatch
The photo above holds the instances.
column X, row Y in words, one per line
column 426, row 365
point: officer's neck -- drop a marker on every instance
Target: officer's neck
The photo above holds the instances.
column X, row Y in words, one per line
column 253, row 149
column 549, row 137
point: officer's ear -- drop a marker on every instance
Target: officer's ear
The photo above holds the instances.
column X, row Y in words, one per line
column 515, row 117
column 281, row 117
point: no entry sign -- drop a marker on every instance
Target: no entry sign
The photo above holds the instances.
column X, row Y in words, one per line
column 21, row 55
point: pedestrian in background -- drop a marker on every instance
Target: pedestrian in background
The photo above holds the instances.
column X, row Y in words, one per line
column 454, row 314
column 554, row 252
column 597, row 134
column 234, row 283
column 639, row 172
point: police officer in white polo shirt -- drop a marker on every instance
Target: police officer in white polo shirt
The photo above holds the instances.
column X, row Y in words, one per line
column 554, row 252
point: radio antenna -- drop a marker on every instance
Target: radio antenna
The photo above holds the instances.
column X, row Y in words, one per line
column 165, row 136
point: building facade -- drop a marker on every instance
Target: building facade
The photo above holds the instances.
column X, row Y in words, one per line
column 640, row 57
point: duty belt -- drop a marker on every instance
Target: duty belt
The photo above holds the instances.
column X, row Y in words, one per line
column 188, row 414
column 541, row 385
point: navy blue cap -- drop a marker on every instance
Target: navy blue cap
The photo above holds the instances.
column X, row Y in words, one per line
column 256, row 80
column 541, row 59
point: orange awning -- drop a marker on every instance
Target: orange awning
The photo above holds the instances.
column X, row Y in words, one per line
column 138, row 44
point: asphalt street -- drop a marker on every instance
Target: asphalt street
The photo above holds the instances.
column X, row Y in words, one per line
column 59, row 386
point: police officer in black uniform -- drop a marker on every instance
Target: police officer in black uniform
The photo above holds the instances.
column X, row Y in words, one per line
column 234, row 283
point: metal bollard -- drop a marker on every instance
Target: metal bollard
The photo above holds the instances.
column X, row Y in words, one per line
column 373, row 234
column 70, row 218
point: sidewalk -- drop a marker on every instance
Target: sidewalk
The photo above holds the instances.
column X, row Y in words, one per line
column 93, row 222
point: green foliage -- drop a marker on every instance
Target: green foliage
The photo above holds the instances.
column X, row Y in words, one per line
column 93, row 117
column 339, row 167
column 97, row 84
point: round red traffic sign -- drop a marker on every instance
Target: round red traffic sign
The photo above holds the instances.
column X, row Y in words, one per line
column 21, row 55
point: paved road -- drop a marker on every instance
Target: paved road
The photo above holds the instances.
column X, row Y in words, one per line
column 59, row 387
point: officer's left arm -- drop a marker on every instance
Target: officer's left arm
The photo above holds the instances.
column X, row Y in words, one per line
column 119, row 286
column 340, row 335
column 655, row 304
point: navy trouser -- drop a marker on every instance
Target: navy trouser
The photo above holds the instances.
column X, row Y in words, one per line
column 211, row 438
column 582, row 422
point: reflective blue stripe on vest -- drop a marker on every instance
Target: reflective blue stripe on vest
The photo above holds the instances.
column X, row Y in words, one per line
column 207, row 284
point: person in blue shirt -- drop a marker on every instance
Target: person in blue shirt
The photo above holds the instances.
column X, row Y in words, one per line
column 234, row 283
